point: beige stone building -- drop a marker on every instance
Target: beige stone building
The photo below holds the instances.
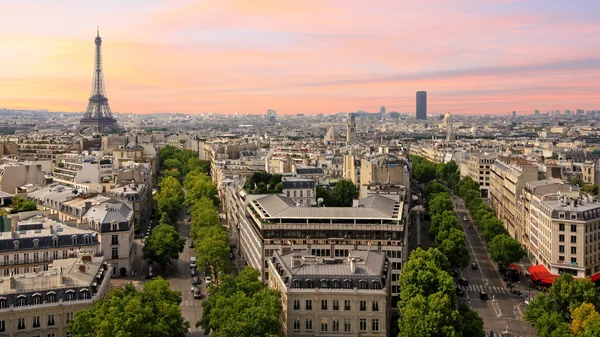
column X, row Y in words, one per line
column 43, row 303
column 508, row 178
column 345, row 296
column 565, row 234
column 478, row 166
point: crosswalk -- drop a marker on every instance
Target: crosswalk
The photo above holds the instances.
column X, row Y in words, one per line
column 498, row 334
column 487, row 289
column 190, row 302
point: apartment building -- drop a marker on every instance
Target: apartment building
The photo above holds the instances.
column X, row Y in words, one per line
column 324, row 296
column 271, row 222
column 16, row 174
column 36, row 241
column 43, row 303
column 478, row 166
column 68, row 203
column 302, row 190
column 384, row 169
column 565, row 234
column 508, row 178
column 538, row 188
column 88, row 172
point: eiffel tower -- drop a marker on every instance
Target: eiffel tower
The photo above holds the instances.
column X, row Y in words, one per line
column 98, row 116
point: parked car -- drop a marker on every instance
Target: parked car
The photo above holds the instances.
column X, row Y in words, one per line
column 189, row 218
column 193, row 262
column 466, row 218
column 197, row 294
column 193, row 272
column 473, row 265
column 195, row 280
column 208, row 281
column 483, row 295
column 460, row 292
column 191, row 244
column 463, row 281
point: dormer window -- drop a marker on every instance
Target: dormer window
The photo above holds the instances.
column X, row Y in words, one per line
column 16, row 244
column 347, row 284
column 70, row 295
column 86, row 239
column 51, row 297
column 55, row 241
column 336, row 284
column 296, row 283
column 36, row 243
column 114, row 226
column 363, row 284
column 74, row 240
column 309, row 283
column 84, row 294
column 324, row 283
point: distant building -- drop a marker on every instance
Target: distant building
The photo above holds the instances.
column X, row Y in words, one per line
column 514, row 114
column 326, row 296
column 351, row 131
column 302, row 190
column 421, row 105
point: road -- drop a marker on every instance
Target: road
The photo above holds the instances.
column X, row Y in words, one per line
column 503, row 311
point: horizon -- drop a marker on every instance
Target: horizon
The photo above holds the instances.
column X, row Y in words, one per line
column 304, row 57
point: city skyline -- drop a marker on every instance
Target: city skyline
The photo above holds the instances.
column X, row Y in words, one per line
column 307, row 57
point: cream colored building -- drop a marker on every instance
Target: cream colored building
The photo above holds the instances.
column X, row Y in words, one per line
column 565, row 234
column 345, row 296
column 478, row 166
column 508, row 178
column 43, row 303
column 384, row 169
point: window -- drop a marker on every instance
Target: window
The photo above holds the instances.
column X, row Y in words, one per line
column 3, row 303
column 296, row 304
column 21, row 301
column 69, row 334
column 573, row 250
column 574, row 260
column 36, row 257
column 65, row 254
column 335, row 325
column 561, row 258
column 115, row 252
column 308, row 305
column 362, row 284
column 51, row 297
column 573, row 228
column 36, row 321
column 375, row 325
column 55, row 241
column 114, row 240
column 85, row 294
column 573, row 239
column 561, row 238
column 296, row 324
column 36, row 243
column 287, row 193
column 16, row 244
column 21, row 324
column 51, row 335
column 336, row 305
column 86, row 239
column 324, row 324
column 74, row 240
column 323, row 283
column 347, row 305
column 37, row 299
column 561, row 227
column 70, row 295
column 375, row 306
column 363, row 305
column 51, row 320
column 347, row 284
column 114, row 226
column 70, row 316
column 308, row 325
column 561, row 249
column 296, row 283
column 323, row 304
column 363, row 324
column 2, row 326
column 347, row 325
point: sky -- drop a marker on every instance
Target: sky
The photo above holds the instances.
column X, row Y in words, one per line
column 303, row 56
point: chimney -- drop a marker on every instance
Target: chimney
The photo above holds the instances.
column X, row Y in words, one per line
column 13, row 283
column 296, row 261
column 573, row 203
column 353, row 266
column 82, row 268
column 88, row 205
column 354, row 202
column 60, row 276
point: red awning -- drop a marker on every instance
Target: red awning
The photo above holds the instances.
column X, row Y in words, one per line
column 538, row 272
column 595, row 277
column 548, row 280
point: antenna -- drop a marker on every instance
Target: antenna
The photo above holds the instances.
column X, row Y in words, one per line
column 98, row 30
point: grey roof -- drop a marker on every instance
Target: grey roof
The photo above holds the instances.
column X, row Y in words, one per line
column 373, row 207
column 54, row 192
column 309, row 170
column 292, row 183
column 108, row 213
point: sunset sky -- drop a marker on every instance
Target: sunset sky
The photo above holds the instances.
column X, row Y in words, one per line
column 303, row 56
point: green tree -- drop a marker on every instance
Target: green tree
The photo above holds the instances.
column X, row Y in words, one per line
column 212, row 250
column 198, row 185
column 491, row 228
column 164, row 244
column 242, row 306
column 472, row 324
column 325, row 195
column 447, row 170
column 172, row 163
column 506, row 250
column 452, row 244
column 433, row 187
column 22, row 205
column 343, row 193
column 153, row 311
column 467, row 184
column 442, row 222
column 582, row 316
column 424, row 274
column 471, row 195
column 169, row 197
column 591, row 189
column 440, row 203
column 434, row 315
column 203, row 213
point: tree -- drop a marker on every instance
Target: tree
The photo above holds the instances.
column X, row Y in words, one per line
column 324, row 194
column 242, row 306
column 433, row 187
column 198, row 185
column 591, row 189
column 452, row 244
column 582, row 316
column 163, row 245
column 505, row 249
column 169, row 197
column 203, row 213
column 445, row 171
column 424, row 274
column 153, row 311
column 22, row 205
column 435, row 315
column 472, row 324
column 465, row 185
column 471, row 195
column 440, row 203
column 343, row 193
column 492, row 227
column 212, row 250
column 442, row 222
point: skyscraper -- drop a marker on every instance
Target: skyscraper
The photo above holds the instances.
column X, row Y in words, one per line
column 514, row 114
column 422, row 105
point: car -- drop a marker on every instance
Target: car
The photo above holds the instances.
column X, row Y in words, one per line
column 193, row 272
column 197, row 294
column 463, row 281
column 460, row 292
column 189, row 218
column 195, row 280
column 483, row 295
column 208, row 280
column 193, row 262
column 193, row 289
column 466, row 218
column 473, row 265
column 191, row 244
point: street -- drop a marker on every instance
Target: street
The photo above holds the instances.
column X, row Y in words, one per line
column 503, row 311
